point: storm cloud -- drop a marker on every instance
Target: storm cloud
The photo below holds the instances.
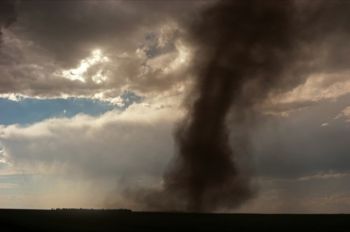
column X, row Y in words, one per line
column 8, row 15
column 141, row 41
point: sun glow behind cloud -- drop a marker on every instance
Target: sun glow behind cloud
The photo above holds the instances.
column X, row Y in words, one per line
column 183, row 57
column 96, row 57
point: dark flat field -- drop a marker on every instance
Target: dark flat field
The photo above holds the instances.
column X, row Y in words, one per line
column 122, row 220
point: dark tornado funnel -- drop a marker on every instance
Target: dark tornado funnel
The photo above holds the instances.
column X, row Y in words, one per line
column 246, row 51
column 242, row 49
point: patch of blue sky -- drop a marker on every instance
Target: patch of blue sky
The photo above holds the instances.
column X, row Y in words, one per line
column 30, row 110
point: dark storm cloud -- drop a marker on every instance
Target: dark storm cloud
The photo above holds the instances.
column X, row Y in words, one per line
column 70, row 29
column 8, row 14
column 51, row 36
column 327, row 25
column 57, row 35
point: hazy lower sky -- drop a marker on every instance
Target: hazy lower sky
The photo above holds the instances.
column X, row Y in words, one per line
column 91, row 91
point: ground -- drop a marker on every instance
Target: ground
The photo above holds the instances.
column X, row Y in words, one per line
column 125, row 220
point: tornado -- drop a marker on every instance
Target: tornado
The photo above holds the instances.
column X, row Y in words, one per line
column 245, row 52
column 243, row 48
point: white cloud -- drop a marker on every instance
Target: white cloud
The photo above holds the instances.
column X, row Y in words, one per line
column 324, row 175
column 110, row 151
column 324, row 124
column 318, row 87
column 96, row 57
column 344, row 114
column 121, row 138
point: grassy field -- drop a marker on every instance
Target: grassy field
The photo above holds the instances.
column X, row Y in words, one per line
column 123, row 220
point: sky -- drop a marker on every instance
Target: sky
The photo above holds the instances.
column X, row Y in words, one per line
column 92, row 91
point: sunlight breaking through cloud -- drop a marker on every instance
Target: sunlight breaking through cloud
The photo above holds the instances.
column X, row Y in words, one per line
column 96, row 57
